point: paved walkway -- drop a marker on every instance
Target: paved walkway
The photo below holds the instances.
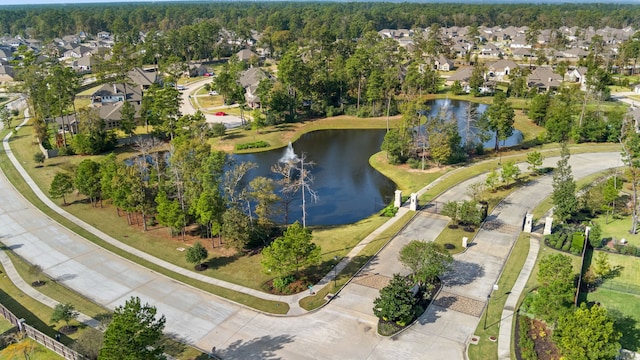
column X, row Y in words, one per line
column 507, row 319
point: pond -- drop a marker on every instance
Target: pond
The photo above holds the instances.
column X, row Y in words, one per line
column 348, row 188
column 458, row 110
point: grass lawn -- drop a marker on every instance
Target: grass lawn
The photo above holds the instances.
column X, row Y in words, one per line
column 34, row 313
column 207, row 101
column 487, row 349
column 38, row 352
column 4, row 325
column 618, row 228
column 407, row 180
column 89, row 91
column 56, row 291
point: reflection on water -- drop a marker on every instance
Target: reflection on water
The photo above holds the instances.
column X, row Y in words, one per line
column 348, row 188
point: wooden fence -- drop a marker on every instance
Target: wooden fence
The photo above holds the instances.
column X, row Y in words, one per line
column 51, row 344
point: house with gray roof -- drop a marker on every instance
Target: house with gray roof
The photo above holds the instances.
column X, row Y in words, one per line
column 249, row 80
column 544, row 79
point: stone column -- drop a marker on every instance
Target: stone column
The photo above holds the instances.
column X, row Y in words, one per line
column 464, row 242
column 547, row 226
column 397, row 202
column 413, row 205
column 528, row 223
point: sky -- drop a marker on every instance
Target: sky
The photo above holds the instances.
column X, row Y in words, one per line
column 71, row 2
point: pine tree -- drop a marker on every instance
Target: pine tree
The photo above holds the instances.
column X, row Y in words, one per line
column 564, row 187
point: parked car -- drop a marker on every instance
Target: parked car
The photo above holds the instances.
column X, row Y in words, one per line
column 221, row 113
column 213, row 92
column 182, row 87
column 207, row 74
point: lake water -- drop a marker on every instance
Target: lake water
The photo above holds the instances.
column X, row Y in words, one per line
column 348, row 188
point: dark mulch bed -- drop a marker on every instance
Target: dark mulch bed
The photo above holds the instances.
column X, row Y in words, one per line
column 38, row 283
column 68, row 329
column 201, row 267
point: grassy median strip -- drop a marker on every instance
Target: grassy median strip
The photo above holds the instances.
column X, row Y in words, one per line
column 490, row 322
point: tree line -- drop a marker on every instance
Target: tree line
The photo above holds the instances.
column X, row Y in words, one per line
column 301, row 20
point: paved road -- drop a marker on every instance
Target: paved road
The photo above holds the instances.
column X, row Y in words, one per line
column 345, row 328
column 186, row 108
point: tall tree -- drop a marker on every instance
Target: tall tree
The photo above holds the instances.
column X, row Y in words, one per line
column 499, row 118
column 134, row 333
column 87, row 180
column 630, row 141
column 427, row 260
column 290, row 253
column 555, row 294
column 61, row 186
column 564, row 187
column 587, row 333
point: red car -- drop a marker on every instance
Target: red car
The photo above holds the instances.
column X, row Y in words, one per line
column 206, row 74
column 221, row 113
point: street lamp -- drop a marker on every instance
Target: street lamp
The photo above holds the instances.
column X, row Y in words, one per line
column 486, row 315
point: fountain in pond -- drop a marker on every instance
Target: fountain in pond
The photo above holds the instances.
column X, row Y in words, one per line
column 289, row 155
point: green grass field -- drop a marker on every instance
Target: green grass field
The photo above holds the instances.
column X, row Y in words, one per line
column 618, row 228
column 621, row 296
column 30, row 350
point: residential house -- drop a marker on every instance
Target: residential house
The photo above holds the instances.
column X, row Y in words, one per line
column 6, row 73
column 462, row 75
column 6, row 54
column 578, row 75
column 77, row 52
column 67, row 123
column 501, row 69
column 544, row 79
column 519, row 42
column 105, row 35
column 247, row 55
column 522, row 53
column 441, row 63
column 250, row 79
column 197, row 70
column 575, row 53
column 85, row 63
column 143, row 78
column 111, row 114
column 490, row 50
column 112, row 93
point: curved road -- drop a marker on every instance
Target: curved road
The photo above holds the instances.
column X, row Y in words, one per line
column 345, row 328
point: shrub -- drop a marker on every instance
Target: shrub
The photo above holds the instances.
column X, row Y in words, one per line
column 252, row 145
column 577, row 243
column 414, row 163
column 562, row 240
column 282, row 283
column 566, row 246
column 527, row 346
column 389, row 211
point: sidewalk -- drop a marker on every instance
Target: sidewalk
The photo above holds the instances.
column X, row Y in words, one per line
column 17, row 280
column 507, row 318
column 291, row 300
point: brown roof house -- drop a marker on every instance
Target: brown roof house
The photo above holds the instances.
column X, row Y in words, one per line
column 500, row 69
column 544, row 79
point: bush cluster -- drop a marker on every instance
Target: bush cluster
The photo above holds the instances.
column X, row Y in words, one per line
column 567, row 240
column 252, row 145
column 526, row 344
